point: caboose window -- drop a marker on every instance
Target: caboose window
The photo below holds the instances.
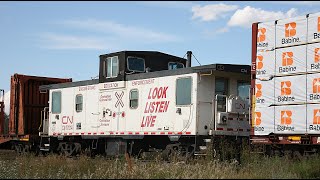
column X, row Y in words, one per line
column 134, row 97
column 56, row 102
column 135, row 64
column 222, row 89
column 183, row 91
column 79, row 102
column 175, row 65
column 112, row 67
column 243, row 90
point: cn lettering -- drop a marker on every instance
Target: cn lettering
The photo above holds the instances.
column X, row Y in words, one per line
column 67, row 120
column 67, row 123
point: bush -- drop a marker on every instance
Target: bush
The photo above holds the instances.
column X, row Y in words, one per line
column 253, row 166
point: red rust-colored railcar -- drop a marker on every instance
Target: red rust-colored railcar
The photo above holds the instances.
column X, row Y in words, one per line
column 26, row 104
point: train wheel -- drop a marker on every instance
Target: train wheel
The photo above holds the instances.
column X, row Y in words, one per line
column 22, row 149
column 69, row 149
column 177, row 152
column 18, row 148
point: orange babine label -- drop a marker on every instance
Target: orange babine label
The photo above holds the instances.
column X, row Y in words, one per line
column 315, row 126
column 290, row 29
column 259, row 62
column 285, row 88
column 318, row 24
column 316, row 116
column 285, row 92
column 316, row 35
column 259, row 92
column 286, row 117
column 316, row 85
column 259, row 99
column 258, row 122
column 316, row 55
column 287, row 61
column 258, row 118
column 287, row 58
column 261, row 34
column 286, row 120
column 314, row 96
column 316, row 64
column 261, row 38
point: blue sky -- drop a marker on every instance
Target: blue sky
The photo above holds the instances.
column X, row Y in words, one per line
column 65, row 39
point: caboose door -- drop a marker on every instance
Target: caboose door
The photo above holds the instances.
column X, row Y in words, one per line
column 184, row 107
column 107, row 121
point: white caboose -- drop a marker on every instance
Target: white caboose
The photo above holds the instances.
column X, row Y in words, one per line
column 148, row 101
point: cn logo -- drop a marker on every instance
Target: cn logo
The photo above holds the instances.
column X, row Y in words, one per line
column 316, row 116
column 261, row 34
column 285, row 88
column 258, row 90
column 67, row 120
column 259, row 62
column 258, row 118
column 286, row 117
column 316, row 85
column 287, row 58
column 316, row 55
column 290, row 29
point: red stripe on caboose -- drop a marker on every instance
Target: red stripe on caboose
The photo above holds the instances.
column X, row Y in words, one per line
column 220, row 129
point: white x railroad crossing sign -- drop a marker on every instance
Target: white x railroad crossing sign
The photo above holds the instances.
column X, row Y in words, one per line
column 119, row 97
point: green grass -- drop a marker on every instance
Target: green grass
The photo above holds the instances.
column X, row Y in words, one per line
column 252, row 166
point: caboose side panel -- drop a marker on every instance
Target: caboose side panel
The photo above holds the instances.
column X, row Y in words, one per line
column 162, row 105
column 61, row 114
column 211, row 107
column 112, row 107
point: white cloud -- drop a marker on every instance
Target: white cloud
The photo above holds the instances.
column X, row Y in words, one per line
column 213, row 33
column 248, row 15
column 222, row 30
column 122, row 31
column 107, row 35
column 59, row 41
column 212, row 12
